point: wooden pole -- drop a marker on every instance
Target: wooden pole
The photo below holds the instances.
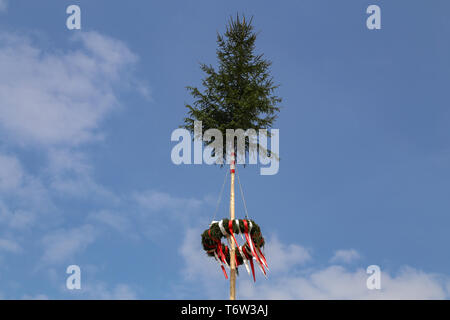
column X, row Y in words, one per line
column 232, row 217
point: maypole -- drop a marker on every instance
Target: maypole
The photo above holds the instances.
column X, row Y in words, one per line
column 238, row 95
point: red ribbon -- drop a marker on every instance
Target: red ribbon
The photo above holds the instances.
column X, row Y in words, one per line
column 220, row 253
column 253, row 247
column 263, row 258
column 251, row 262
column 224, row 271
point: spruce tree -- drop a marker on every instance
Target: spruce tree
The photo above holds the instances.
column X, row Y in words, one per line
column 239, row 94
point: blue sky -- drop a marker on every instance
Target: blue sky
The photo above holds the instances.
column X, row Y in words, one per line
column 86, row 176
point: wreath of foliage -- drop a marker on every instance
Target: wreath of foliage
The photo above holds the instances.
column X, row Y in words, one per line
column 212, row 237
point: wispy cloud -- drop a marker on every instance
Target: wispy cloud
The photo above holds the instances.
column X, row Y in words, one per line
column 11, row 173
column 155, row 201
column 63, row 244
column 101, row 291
column 337, row 282
column 198, row 268
column 22, row 196
column 345, row 256
column 124, row 224
column 9, row 245
column 202, row 270
column 149, row 214
column 54, row 102
column 285, row 257
column 35, row 297
column 296, row 277
column 60, row 98
column 70, row 174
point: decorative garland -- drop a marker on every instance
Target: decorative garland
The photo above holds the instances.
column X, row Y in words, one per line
column 250, row 233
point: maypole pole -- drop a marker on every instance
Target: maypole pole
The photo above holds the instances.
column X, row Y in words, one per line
column 232, row 217
column 221, row 107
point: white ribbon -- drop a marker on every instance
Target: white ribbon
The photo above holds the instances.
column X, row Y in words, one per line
column 245, row 260
column 237, row 223
column 222, row 229
column 220, row 261
column 212, row 222
column 260, row 268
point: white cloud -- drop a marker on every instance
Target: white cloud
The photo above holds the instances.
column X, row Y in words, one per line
column 177, row 210
column 21, row 195
column 199, row 268
column 100, row 291
column 117, row 221
column 9, row 245
column 197, row 262
column 345, row 256
column 53, row 101
column 282, row 257
column 60, row 98
column 155, row 201
column 63, row 160
column 336, row 282
column 19, row 219
column 285, row 257
column 40, row 296
column 290, row 278
column 61, row 245
column 149, row 214
column 11, row 173
column 72, row 175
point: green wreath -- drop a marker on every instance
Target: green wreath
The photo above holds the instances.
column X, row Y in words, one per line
column 213, row 246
